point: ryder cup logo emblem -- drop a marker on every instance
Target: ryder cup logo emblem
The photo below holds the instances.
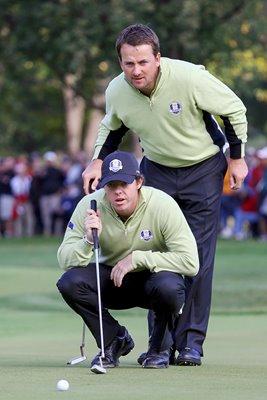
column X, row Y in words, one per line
column 115, row 165
column 175, row 107
column 146, row 234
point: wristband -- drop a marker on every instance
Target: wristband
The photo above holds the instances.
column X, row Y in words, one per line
column 85, row 239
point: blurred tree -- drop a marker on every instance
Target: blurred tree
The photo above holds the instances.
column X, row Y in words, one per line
column 57, row 56
column 229, row 38
column 55, row 44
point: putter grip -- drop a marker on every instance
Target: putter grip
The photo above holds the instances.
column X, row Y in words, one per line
column 94, row 230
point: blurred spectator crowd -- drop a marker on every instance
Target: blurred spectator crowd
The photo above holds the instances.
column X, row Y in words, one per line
column 244, row 212
column 39, row 193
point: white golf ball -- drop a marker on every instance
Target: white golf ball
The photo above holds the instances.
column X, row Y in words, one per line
column 63, row 385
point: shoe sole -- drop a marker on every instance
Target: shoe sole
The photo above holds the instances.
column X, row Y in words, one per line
column 188, row 363
column 140, row 360
column 128, row 347
column 154, row 366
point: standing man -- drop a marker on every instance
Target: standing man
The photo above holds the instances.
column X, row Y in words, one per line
column 170, row 104
column 146, row 246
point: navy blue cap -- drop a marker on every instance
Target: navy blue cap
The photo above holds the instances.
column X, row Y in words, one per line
column 119, row 166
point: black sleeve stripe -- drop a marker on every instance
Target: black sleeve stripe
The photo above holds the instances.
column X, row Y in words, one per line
column 213, row 129
column 112, row 141
column 233, row 140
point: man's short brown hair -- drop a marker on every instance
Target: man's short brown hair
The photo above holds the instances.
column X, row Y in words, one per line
column 136, row 35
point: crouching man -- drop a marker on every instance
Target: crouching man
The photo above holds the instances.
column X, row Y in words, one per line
column 146, row 247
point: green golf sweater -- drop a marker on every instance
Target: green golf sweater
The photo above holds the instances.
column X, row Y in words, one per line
column 156, row 234
column 175, row 124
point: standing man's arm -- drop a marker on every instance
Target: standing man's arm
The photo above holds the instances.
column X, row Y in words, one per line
column 218, row 99
column 236, row 133
column 238, row 171
column 108, row 140
column 92, row 175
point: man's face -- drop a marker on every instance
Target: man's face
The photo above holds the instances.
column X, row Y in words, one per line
column 140, row 66
column 123, row 197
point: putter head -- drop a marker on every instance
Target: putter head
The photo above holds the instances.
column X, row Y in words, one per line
column 76, row 360
column 98, row 369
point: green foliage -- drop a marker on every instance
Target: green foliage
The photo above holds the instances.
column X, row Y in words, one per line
column 43, row 42
column 33, row 106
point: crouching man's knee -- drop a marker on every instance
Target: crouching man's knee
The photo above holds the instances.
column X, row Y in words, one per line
column 69, row 282
column 170, row 291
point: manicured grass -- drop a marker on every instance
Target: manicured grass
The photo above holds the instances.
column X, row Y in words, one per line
column 240, row 284
column 39, row 334
column 36, row 346
column 240, row 277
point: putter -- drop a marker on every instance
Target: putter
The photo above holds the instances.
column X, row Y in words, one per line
column 82, row 357
column 98, row 369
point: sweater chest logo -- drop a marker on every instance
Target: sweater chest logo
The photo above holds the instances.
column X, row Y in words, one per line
column 146, row 234
column 175, row 107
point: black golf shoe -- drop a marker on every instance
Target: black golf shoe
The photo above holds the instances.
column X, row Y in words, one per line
column 172, row 360
column 156, row 360
column 188, row 357
column 120, row 346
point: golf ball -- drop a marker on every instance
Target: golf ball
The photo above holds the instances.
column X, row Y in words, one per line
column 63, row 385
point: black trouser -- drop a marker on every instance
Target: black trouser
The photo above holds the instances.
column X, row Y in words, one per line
column 197, row 190
column 162, row 292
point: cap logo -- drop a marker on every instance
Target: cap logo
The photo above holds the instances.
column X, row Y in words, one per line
column 115, row 165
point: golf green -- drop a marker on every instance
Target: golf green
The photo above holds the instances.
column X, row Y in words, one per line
column 39, row 334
